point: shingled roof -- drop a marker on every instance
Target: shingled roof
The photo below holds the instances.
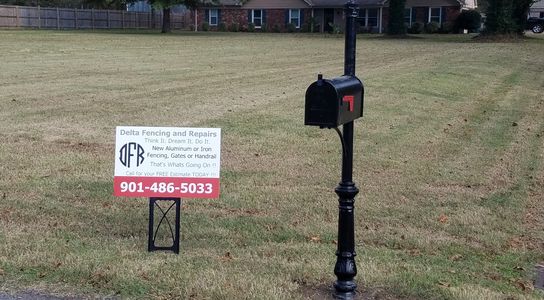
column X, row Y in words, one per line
column 328, row 3
column 340, row 3
column 209, row 3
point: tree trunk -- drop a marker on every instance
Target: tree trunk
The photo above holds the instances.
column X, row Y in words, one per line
column 166, row 20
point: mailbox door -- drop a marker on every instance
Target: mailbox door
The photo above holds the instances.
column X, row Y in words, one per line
column 321, row 105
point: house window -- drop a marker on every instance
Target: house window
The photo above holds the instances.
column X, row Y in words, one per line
column 542, row 14
column 213, row 18
column 408, row 17
column 362, row 17
column 435, row 14
column 294, row 17
column 257, row 17
column 368, row 17
column 372, row 17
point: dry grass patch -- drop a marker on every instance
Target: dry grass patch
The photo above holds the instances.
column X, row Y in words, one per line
column 448, row 159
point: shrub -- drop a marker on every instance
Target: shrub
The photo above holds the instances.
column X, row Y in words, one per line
column 222, row 27
column 306, row 27
column 276, row 28
column 335, row 28
column 291, row 27
column 469, row 19
column 416, row 28
column 432, row 27
column 310, row 25
column 447, row 27
column 251, row 27
column 205, row 26
column 234, row 27
column 264, row 27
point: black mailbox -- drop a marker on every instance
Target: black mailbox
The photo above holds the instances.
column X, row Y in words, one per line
column 333, row 102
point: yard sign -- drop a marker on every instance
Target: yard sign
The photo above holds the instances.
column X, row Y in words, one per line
column 167, row 162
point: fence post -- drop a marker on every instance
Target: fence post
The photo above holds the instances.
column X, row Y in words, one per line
column 108, row 14
column 17, row 23
column 123, row 19
column 58, row 19
column 196, row 20
column 39, row 17
column 75, row 16
column 92, row 18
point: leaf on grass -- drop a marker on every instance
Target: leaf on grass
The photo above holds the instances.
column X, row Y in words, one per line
column 2, row 272
column 525, row 285
column 227, row 257
column 145, row 276
column 516, row 243
column 315, row 239
column 443, row 219
column 444, row 284
column 414, row 252
column 456, row 257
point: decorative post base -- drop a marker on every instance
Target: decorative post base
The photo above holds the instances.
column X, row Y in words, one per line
column 345, row 268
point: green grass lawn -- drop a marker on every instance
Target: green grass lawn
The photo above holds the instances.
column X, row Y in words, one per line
column 448, row 157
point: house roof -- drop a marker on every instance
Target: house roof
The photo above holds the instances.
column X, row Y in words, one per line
column 210, row 3
column 311, row 3
column 327, row 3
column 340, row 3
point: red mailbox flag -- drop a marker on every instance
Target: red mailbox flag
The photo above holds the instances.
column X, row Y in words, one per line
column 348, row 99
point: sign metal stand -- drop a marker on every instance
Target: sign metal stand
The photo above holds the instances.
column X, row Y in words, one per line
column 153, row 231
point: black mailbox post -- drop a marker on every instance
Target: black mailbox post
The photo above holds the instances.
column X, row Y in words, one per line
column 333, row 102
column 330, row 103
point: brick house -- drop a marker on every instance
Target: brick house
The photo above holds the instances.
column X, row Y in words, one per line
column 326, row 14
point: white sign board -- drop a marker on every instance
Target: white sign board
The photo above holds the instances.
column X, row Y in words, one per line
column 167, row 162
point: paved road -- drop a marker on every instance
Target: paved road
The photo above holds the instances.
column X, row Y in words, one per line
column 34, row 295
column 29, row 296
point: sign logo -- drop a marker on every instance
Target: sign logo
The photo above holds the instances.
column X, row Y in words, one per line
column 131, row 153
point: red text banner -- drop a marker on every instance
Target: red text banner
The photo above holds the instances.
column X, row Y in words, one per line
column 177, row 187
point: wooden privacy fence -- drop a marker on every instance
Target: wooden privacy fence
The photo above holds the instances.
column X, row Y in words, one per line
column 73, row 18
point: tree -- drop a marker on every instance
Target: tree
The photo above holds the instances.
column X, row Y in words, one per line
column 396, row 25
column 166, row 5
column 469, row 19
column 105, row 4
column 520, row 11
column 507, row 16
